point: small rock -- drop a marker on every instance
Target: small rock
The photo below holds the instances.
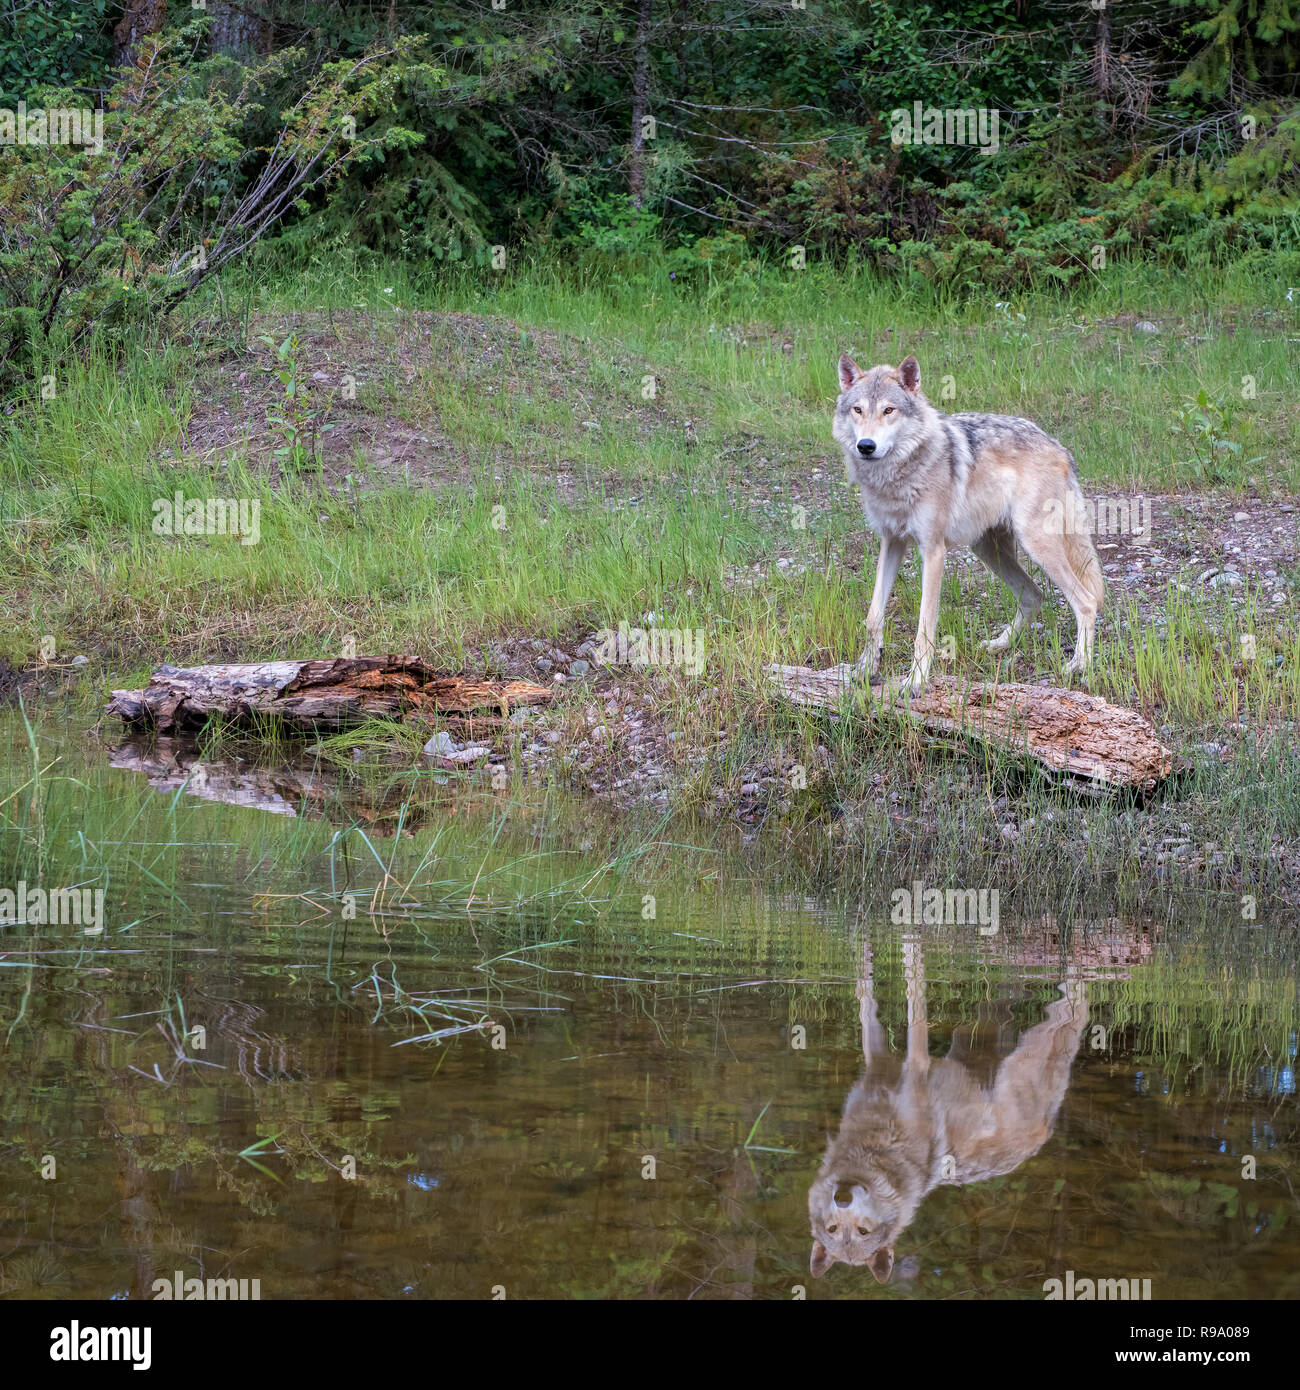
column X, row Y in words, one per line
column 1226, row 579
column 441, row 745
column 80, row 661
column 544, row 663
column 1146, row 326
column 1241, row 516
column 579, row 668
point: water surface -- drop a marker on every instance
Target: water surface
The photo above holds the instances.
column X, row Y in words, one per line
column 566, row 1063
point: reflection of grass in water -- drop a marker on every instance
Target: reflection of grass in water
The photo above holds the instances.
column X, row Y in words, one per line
column 35, row 1274
column 1190, row 1012
column 636, row 904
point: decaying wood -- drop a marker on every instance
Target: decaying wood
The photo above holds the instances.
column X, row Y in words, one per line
column 1069, row 733
column 331, row 694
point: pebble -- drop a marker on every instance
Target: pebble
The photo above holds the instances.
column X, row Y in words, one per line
column 441, row 745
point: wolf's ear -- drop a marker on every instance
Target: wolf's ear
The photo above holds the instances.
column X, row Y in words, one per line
column 909, row 373
column 821, row 1261
column 849, row 372
column 881, row 1264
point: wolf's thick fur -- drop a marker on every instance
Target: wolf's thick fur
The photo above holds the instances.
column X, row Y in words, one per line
column 986, row 481
column 911, row 1125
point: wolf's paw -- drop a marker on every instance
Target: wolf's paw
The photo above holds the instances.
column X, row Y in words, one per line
column 868, row 665
column 906, row 687
column 1000, row 643
column 1076, row 667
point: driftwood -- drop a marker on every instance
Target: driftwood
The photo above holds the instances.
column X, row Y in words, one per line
column 306, row 695
column 1078, row 736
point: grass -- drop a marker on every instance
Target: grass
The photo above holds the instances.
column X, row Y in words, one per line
column 559, row 489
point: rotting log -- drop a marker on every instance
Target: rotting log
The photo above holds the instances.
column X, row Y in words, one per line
column 1073, row 735
column 308, row 695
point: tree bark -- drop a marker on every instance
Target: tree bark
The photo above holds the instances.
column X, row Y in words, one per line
column 140, row 19
column 640, row 104
column 314, row 694
column 1081, row 737
column 238, row 31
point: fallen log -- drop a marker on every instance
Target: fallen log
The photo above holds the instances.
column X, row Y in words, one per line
column 1073, row 735
column 306, row 695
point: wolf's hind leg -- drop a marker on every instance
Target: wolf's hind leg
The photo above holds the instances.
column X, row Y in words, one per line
column 1048, row 550
column 918, row 1032
column 997, row 549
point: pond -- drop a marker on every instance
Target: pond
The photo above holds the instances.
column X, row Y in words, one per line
column 338, row 1036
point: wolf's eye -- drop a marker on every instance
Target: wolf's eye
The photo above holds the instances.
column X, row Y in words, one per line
column 830, row 1230
column 857, row 410
column 862, row 1231
column 888, row 410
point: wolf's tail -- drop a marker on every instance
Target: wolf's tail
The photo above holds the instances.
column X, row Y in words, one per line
column 1081, row 555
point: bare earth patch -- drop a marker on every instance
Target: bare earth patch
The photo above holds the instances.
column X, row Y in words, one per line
column 382, row 384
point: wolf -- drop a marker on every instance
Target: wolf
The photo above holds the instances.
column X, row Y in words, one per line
column 911, row 1125
column 986, row 481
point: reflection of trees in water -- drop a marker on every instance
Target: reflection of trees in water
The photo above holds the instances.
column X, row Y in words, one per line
column 173, row 1125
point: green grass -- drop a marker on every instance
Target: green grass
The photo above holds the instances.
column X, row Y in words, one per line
column 562, row 498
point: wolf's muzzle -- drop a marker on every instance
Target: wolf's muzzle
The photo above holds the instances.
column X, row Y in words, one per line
column 866, row 447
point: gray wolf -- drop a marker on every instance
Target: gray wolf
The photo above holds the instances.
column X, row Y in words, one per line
column 986, row 481
column 911, row 1124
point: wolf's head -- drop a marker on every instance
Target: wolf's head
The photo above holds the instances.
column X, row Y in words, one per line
column 880, row 414
column 856, row 1219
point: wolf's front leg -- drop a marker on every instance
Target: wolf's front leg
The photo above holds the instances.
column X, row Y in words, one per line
column 932, row 558
column 892, row 550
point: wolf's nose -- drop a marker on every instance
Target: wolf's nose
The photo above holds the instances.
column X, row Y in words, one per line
column 844, row 1195
column 866, row 447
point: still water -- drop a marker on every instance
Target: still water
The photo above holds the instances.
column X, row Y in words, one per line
column 404, row 1038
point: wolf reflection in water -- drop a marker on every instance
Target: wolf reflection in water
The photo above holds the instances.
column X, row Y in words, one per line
column 911, row 1124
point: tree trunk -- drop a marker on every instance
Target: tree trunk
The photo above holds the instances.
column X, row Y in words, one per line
column 640, row 103
column 237, row 30
column 1101, row 79
column 1080, row 737
column 140, row 19
column 314, row 694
